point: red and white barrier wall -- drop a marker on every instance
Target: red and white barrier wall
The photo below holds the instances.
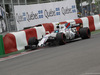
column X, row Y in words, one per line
column 18, row 40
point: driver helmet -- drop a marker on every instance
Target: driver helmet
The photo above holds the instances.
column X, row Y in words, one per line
column 57, row 25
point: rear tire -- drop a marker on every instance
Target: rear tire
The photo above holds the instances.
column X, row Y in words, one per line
column 85, row 33
column 61, row 38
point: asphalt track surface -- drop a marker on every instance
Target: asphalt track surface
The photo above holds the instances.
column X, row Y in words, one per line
column 81, row 57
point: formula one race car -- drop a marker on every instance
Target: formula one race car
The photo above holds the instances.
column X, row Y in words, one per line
column 60, row 36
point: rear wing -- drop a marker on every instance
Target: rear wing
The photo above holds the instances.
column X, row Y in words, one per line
column 73, row 25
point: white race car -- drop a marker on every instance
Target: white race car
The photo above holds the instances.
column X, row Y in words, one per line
column 60, row 36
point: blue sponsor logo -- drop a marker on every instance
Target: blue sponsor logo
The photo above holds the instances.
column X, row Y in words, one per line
column 57, row 11
column 73, row 6
column 24, row 16
column 40, row 13
column 73, row 9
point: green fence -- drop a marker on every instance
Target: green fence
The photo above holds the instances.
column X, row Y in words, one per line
column 2, row 52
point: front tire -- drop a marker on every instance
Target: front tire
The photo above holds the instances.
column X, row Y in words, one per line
column 61, row 38
column 32, row 43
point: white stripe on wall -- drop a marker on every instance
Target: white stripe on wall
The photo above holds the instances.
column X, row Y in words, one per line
column 71, row 21
column 85, row 22
column 20, row 39
column 55, row 24
column 96, row 22
column 40, row 32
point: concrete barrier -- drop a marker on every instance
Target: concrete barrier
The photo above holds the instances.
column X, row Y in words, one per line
column 96, row 22
column 93, row 22
column 9, row 43
column 17, row 40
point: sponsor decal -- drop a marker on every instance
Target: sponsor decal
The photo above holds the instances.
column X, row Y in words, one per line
column 46, row 13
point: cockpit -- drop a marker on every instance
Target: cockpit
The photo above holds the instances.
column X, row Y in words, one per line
column 56, row 31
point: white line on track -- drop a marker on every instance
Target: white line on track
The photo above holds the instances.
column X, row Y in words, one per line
column 91, row 74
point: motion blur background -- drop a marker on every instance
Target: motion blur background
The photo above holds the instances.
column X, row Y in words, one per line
column 84, row 8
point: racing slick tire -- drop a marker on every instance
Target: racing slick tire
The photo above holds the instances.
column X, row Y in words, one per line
column 32, row 43
column 85, row 33
column 61, row 38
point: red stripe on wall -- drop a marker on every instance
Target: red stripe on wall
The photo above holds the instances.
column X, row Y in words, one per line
column 91, row 23
column 30, row 33
column 63, row 22
column 48, row 27
column 99, row 17
column 9, row 43
column 77, row 22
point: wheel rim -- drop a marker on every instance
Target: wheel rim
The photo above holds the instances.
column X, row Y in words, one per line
column 63, row 38
column 88, row 33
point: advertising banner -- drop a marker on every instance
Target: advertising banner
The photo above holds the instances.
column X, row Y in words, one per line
column 30, row 15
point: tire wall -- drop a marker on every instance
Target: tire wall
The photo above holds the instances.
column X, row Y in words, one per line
column 17, row 40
